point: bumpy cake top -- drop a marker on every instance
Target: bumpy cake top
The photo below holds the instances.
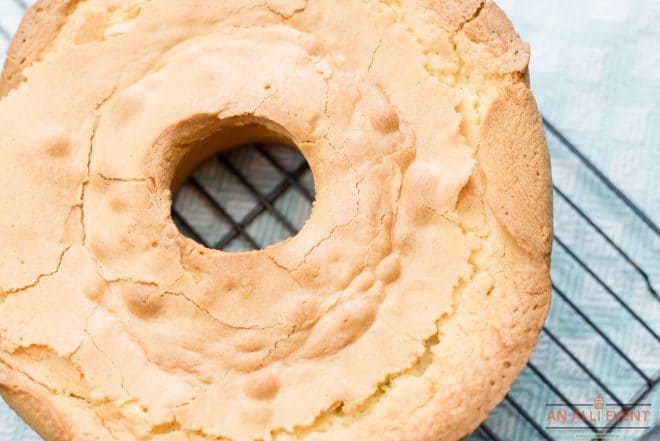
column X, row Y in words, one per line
column 403, row 310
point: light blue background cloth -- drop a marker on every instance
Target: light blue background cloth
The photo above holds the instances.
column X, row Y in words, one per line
column 596, row 75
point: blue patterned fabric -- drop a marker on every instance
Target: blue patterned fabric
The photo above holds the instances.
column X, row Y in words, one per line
column 596, row 75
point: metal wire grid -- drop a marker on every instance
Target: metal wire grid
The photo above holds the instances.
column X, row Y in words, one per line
column 295, row 180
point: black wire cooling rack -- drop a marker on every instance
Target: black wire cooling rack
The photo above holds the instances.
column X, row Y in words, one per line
column 514, row 415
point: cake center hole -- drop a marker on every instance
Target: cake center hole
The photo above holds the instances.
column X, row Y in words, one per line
column 245, row 198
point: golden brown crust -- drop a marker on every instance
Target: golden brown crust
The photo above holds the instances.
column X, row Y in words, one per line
column 32, row 403
column 512, row 149
column 514, row 157
column 39, row 28
column 433, row 169
column 489, row 45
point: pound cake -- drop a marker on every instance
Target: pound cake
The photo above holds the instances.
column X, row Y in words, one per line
column 402, row 311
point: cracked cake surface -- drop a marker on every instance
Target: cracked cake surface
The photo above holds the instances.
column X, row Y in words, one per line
column 403, row 310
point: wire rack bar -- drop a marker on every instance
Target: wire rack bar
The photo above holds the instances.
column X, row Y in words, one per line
column 199, row 187
column 527, row 417
column 600, row 332
column 279, row 190
column 293, row 180
column 260, row 197
column 581, row 365
column 653, row 435
column 606, row 287
column 604, row 179
column 634, row 401
column 609, row 240
column 489, row 433
column 560, row 394
column 193, row 232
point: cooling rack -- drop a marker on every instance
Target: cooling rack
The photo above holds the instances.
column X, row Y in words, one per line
column 600, row 340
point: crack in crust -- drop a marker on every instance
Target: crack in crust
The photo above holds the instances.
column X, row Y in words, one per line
column 6, row 293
